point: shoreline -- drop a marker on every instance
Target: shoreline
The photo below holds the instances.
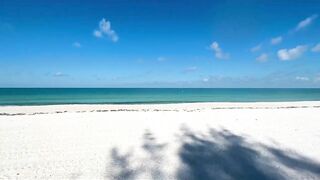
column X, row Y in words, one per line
column 177, row 107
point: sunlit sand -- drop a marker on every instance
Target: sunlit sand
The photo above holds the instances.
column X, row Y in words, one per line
column 170, row 141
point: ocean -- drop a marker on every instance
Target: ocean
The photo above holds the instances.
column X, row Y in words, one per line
column 50, row 96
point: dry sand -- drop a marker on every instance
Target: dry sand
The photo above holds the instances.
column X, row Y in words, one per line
column 170, row 141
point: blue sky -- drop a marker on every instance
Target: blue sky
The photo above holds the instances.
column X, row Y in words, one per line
column 153, row 43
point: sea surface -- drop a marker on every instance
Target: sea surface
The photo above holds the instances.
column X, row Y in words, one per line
column 48, row 96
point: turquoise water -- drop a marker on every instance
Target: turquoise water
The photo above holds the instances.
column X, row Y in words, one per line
column 46, row 96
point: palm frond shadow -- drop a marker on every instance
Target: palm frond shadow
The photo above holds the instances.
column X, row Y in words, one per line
column 218, row 155
column 123, row 166
column 224, row 155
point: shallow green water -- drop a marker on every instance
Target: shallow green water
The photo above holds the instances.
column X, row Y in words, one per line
column 47, row 96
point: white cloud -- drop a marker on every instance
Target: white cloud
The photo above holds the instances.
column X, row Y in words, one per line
column 77, row 45
column 262, row 58
column 97, row 34
column 59, row 74
column 316, row 48
column 276, row 40
column 302, row 78
column 306, row 22
column 205, row 79
column 290, row 54
column 256, row 48
column 218, row 51
column 105, row 29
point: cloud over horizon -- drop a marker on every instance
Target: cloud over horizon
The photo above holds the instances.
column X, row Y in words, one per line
column 302, row 78
column 60, row 74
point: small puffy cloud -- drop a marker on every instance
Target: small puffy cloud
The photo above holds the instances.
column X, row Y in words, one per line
column 218, row 51
column 262, row 58
column 97, row 33
column 316, row 48
column 306, row 22
column 190, row 69
column 276, row 40
column 302, row 78
column 76, row 44
column 105, row 29
column 59, row 74
column 205, row 79
column 290, row 54
column 161, row 59
column 256, row 48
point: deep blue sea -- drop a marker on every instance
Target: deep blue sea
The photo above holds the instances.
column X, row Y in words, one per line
column 47, row 96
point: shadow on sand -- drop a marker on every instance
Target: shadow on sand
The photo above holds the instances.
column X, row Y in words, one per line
column 223, row 155
column 151, row 163
column 216, row 155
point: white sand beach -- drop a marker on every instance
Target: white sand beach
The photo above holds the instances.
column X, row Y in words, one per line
column 169, row 141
